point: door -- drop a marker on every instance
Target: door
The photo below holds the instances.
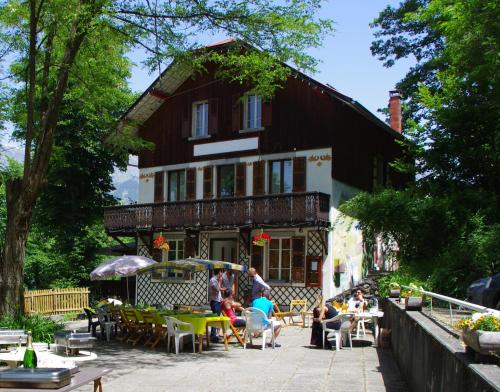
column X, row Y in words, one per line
column 224, row 250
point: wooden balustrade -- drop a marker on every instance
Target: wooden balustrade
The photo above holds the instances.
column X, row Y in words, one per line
column 309, row 208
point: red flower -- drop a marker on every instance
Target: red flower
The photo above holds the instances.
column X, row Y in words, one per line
column 161, row 243
column 261, row 238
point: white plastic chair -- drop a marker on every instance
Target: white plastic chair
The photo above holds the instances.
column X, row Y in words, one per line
column 175, row 331
column 361, row 327
column 345, row 330
column 257, row 322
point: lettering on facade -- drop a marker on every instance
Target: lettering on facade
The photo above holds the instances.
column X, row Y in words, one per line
column 146, row 176
column 319, row 159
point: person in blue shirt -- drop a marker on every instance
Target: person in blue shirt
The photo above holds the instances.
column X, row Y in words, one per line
column 263, row 303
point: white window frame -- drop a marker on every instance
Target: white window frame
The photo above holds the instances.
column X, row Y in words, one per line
column 280, row 254
column 204, row 122
column 179, row 278
column 247, row 125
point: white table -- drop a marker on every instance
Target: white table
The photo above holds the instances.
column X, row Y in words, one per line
column 45, row 358
column 374, row 316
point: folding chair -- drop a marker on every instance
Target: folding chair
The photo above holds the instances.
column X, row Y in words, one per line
column 280, row 316
column 302, row 305
column 238, row 333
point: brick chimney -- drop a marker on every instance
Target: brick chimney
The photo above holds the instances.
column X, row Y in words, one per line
column 395, row 110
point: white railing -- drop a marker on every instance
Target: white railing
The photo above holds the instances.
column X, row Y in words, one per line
column 437, row 313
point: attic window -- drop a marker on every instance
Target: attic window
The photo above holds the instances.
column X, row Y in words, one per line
column 200, row 119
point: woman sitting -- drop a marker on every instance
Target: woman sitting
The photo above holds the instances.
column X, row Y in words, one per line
column 229, row 305
column 323, row 312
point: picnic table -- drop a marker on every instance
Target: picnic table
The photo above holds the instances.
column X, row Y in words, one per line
column 84, row 376
column 45, row 357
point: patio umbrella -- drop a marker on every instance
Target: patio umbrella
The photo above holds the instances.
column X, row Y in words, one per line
column 217, row 264
column 123, row 266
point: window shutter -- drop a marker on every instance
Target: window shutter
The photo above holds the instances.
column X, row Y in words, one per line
column 299, row 174
column 185, row 127
column 159, row 179
column 190, row 184
column 213, row 116
column 298, row 253
column 258, row 177
column 189, row 247
column 314, row 271
column 267, row 113
column 241, row 179
column 207, row 182
column 236, row 120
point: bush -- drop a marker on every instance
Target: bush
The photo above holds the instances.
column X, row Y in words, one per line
column 403, row 276
column 41, row 327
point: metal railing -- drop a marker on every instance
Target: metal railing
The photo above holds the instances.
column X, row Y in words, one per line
column 448, row 310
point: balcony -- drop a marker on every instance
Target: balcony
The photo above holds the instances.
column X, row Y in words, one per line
column 293, row 209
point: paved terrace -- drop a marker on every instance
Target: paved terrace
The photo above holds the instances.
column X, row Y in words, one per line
column 295, row 366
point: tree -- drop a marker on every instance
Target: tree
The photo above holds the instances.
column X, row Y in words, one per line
column 50, row 35
column 448, row 222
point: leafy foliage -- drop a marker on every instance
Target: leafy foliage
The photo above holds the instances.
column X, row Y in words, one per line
column 447, row 224
column 41, row 327
column 404, row 276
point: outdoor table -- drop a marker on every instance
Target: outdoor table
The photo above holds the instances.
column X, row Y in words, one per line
column 15, row 357
column 201, row 322
column 84, row 376
column 369, row 315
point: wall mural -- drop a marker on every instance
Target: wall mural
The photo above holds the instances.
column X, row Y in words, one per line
column 347, row 251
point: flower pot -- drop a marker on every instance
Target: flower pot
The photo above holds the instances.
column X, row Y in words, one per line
column 482, row 342
column 413, row 303
column 394, row 293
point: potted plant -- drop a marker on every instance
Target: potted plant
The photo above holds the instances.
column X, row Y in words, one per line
column 394, row 290
column 413, row 297
column 481, row 333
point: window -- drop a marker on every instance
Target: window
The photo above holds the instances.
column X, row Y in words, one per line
column 286, row 260
column 253, row 112
column 280, row 178
column 177, row 185
column 175, row 252
column 225, row 181
column 200, row 119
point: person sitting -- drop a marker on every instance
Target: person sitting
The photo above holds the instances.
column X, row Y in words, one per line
column 263, row 303
column 325, row 312
column 229, row 305
column 357, row 303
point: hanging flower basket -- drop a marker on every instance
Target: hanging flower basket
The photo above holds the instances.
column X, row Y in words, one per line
column 161, row 243
column 261, row 238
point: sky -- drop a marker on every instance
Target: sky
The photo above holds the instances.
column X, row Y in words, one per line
column 346, row 60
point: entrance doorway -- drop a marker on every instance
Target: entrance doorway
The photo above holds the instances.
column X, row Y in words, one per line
column 224, row 250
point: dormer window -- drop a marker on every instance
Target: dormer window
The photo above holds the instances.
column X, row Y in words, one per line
column 253, row 111
column 200, row 119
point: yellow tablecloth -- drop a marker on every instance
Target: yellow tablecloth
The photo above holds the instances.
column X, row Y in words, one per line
column 200, row 322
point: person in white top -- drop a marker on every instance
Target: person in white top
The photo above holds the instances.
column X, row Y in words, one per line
column 258, row 284
column 358, row 302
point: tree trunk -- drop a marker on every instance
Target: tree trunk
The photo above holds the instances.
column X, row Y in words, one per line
column 12, row 259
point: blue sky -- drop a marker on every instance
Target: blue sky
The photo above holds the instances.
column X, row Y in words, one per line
column 346, row 60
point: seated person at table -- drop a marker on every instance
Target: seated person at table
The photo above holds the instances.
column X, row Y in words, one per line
column 357, row 302
column 263, row 303
column 326, row 312
column 229, row 305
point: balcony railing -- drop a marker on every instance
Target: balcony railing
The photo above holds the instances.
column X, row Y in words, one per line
column 310, row 208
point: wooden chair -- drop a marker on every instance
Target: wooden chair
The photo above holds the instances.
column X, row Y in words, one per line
column 135, row 327
column 159, row 330
column 280, row 316
column 238, row 333
column 302, row 305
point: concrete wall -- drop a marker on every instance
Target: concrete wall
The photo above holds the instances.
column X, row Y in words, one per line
column 431, row 359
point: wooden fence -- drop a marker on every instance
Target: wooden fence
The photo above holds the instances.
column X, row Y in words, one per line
column 56, row 300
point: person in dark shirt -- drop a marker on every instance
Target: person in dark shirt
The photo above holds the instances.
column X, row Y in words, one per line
column 323, row 312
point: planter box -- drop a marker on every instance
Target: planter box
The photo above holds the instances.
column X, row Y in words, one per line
column 413, row 303
column 394, row 293
column 482, row 342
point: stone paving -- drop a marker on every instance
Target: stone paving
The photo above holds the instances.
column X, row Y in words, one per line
column 295, row 366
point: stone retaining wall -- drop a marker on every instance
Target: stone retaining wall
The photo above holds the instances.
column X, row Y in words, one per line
column 430, row 358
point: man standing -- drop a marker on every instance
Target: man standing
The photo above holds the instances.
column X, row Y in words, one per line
column 215, row 298
column 228, row 281
column 258, row 284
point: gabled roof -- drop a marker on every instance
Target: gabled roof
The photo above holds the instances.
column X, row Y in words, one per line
column 177, row 73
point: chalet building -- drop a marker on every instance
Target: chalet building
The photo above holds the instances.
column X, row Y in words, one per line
column 228, row 164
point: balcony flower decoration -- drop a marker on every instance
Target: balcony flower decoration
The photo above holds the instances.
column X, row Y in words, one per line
column 261, row 238
column 161, row 243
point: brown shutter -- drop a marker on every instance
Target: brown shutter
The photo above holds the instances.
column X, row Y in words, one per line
column 207, row 182
column 189, row 247
column 237, row 112
column 299, row 174
column 213, row 116
column 159, row 197
column 190, row 184
column 186, row 124
column 241, row 169
column 267, row 113
column 258, row 177
column 298, row 253
column 256, row 258
column 313, row 271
